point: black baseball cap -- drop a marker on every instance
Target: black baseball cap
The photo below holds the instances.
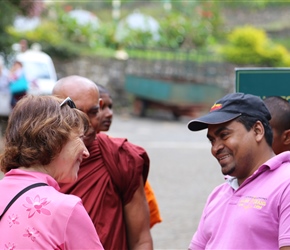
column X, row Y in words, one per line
column 230, row 107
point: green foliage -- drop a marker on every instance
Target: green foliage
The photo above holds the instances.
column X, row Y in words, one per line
column 254, row 4
column 192, row 25
column 195, row 27
column 138, row 38
column 60, row 36
column 50, row 39
column 207, row 24
column 8, row 11
column 74, row 32
column 249, row 45
column 188, row 25
column 105, row 35
column 7, row 14
column 173, row 30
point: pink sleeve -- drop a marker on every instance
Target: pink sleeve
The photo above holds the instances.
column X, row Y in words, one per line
column 198, row 240
column 284, row 215
column 80, row 231
column 194, row 245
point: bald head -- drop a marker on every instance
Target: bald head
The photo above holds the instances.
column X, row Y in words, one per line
column 85, row 95
column 73, row 85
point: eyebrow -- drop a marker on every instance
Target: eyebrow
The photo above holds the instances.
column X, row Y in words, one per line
column 91, row 109
column 95, row 107
column 218, row 131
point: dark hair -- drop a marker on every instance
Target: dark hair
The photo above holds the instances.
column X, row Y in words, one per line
column 102, row 89
column 280, row 112
column 37, row 130
column 249, row 122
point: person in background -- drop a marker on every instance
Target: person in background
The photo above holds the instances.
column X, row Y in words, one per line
column 23, row 45
column 105, row 117
column 4, row 76
column 280, row 111
column 251, row 210
column 44, row 146
column 111, row 181
column 17, row 82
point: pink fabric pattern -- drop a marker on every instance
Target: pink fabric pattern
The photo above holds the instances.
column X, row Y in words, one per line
column 9, row 246
column 31, row 233
column 36, row 205
column 43, row 218
column 13, row 220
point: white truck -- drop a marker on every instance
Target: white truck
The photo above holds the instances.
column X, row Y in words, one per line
column 40, row 72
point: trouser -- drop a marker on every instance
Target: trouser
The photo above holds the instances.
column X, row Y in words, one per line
column 16, row 97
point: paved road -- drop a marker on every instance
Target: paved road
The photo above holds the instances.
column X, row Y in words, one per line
column 182, row 173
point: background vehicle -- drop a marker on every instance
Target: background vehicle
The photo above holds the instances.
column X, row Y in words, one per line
column 179, row 97
column 39, row 71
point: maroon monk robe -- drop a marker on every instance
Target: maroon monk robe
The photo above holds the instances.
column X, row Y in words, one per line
column 107, row 181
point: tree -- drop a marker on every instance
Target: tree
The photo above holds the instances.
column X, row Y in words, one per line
column 8, row 11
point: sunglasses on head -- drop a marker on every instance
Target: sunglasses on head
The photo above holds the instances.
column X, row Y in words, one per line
column 69, row 102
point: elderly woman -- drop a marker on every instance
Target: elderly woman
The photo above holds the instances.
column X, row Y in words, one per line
column 44, row 146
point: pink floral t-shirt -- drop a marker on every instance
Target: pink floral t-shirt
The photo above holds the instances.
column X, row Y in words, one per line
column 43, row 218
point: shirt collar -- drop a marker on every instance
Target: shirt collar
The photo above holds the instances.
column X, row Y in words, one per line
column 271, row 164
column 33, row 175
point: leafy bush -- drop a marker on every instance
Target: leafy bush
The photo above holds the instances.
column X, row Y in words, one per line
column 195, row 27
column 8, row 12
column 249, row 45
column 173, row 30
column 105, row 35
column 48, row 36
column 61, row 36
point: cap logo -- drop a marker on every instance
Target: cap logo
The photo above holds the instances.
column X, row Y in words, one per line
column 216, row 106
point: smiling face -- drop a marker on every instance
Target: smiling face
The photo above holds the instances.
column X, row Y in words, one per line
column 66, row 165
column 105, row 114
column 88, row 102
column 234, row 148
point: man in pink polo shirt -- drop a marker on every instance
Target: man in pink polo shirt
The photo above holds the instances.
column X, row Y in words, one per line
column 251, row 210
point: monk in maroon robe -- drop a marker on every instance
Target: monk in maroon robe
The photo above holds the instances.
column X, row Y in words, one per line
column 110, row 181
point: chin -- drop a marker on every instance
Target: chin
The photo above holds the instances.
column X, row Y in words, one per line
column 228, row 171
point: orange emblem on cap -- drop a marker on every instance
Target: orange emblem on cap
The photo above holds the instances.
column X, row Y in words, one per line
column 216, row 106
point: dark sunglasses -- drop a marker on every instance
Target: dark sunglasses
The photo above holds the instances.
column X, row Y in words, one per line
column 69, row 102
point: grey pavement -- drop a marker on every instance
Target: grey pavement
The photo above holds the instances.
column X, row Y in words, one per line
column 182, row 173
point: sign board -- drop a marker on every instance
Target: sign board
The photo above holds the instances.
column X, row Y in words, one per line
column 264, row 82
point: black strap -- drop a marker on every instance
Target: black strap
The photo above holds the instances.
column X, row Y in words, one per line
column 21, row 193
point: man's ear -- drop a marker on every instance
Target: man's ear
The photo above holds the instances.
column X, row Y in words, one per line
column 286, row 137
column 259, row 130
column 100, row 103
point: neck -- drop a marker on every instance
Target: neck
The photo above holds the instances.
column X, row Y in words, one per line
column 266, row 154
column 36, row 168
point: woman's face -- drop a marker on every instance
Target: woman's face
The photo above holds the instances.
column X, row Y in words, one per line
column 66, row 165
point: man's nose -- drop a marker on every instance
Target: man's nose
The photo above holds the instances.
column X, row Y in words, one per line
column 216, row 147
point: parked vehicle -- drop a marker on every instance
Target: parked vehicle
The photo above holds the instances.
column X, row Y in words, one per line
column 179, row 97
column 40, row 73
